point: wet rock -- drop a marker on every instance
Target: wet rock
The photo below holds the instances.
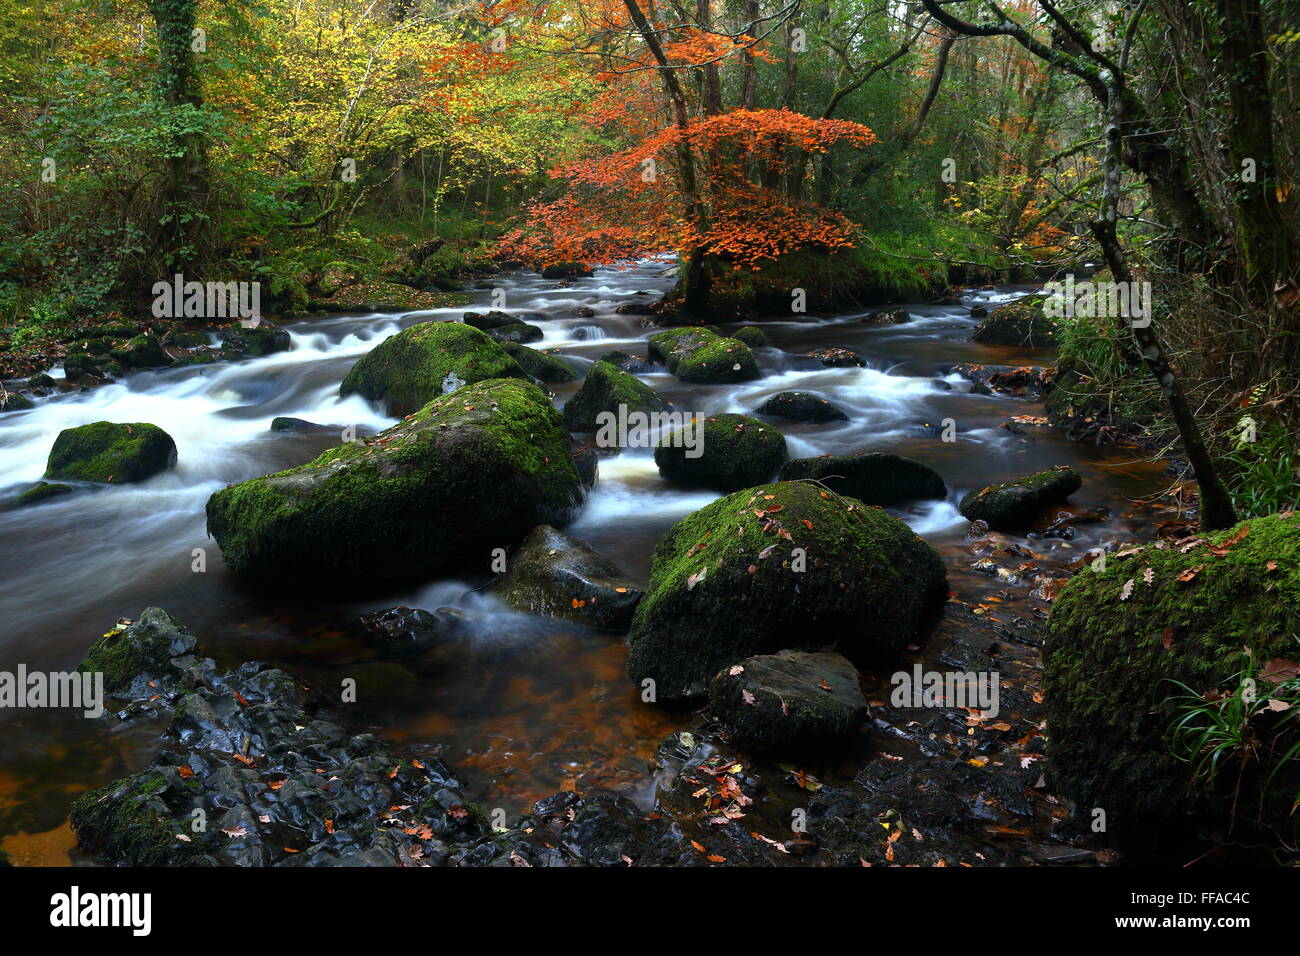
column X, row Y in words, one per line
column 609, row 389
column 557, row 576
column 587, row 464
column 491, row 320
column 406, row 632
column 1021, row 323
column 876, row 478
column 627, row 362
column 786, row 700
column 77, row 364
column 111, row 453
column 699, row 355
column 410, row 369
column 284, row 424
column 542, row 366
column 41, row 380
column 752, row 336
column 1129, row 649
column 277, row 781
column 516, row 332
column 143, row 659
column 1013, row 505
column 725, row 452
column 42, row 491
column 801, row 407
column 1007, row 379
column 634, row 308
column 143, row 351
column 888, row 317
column 837, row 357
column 469, row 472
column 261, row 339
column 584, row 312
column 724, row 584
column 566, row 270
column 381, row 296
column 978, row 312
column 14, row 402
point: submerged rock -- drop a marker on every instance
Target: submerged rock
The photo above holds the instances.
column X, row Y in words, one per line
column 801, row 407
column 111, row 453
column 410, row 369
column 404, row 632
column 42, row 491
column 876, row 478
column 1022, row 323
column 606, row 389
column 557, row 576
column 888, row 317
column 726, row 452
column 469, row 472
column 1013, row 505
column 786, row 700
column 1121, row 641
column 726, row 584
column 699, row 355
column 263, row 339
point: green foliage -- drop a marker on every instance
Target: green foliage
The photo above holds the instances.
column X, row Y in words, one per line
column 1262, row 478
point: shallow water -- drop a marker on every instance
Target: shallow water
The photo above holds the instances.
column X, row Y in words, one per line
column 524, row 706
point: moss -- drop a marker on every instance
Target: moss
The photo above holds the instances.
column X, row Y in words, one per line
column 542, row 366
column 876, row 478
column 1022, row 323
column 1106, row 664
column 130, row 821
column 145, row 647
column 415, row 366
column 868, row 582
column 752, row 336
column 606, row 388
column 701, row 355
column 42, row 491
column 110, row 452
column 735, row 451
column 471, row 470
column 379, row 296
column 1013, row 505
column 670, row 345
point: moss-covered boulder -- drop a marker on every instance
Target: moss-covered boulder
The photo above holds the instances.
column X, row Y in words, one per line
column 129, row 820
column 14, row 402
column 261, row 339
column 606, row 389
column 794, row 699
column 142, row 351
column 566, row 270
column 752, row 336
column 876, row 478
column 111, row 453
column 729, row 452
column 542, row 366
column 408, row 370
column 779, row 566
column 1013, row 505
column 469, row 472
column 700, row 355
column 42, row 491
column 1022, row 323
column 143, row 659
column 517, row 332
column 1118, row 637
column 801, row 407
column 558, row 576
column 628, row 362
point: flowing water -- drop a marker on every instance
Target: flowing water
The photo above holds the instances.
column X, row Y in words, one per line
column 525, row 706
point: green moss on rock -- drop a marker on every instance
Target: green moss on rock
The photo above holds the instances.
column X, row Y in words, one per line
column 410, row 369
column 752, row 336
column 701, row 355
column 542, row 366
column 130, row 820
column 42, row 491
column 1013, row 505
column 1022, row 323
column 867, row 582
column 606, row 388
column 111, row 453
column 876, row 478
column 469, row 472
column 1108, row 659
column 732, row 452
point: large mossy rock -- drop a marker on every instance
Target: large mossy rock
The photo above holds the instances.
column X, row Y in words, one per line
column 558, row 576
column 702, row 356
column 1013, row 505
column 111, row 453
column 725, row 585
column 787, row 700
column 469, row 472
column 606, row 388
column 801, row 407
column 143, row 659
column 877, row 478
column 408, row 370
column 1114, row 643
column 1022, row 323
column 730, row 452
column 542, row 366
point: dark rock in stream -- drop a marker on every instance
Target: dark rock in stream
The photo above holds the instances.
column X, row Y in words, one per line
column 1021, row 323
column 43, row 491
column 724, row 452
column 1013, row 505
column 111, row 453
column 407, row 632
column 254, row 773
column 702, row 356
column 542, row 366
column 877, row 478
column 627, row 362
column 263, row 339
column 557, row 576
column 609, row 390
column 838, row 357
column 801, row 407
